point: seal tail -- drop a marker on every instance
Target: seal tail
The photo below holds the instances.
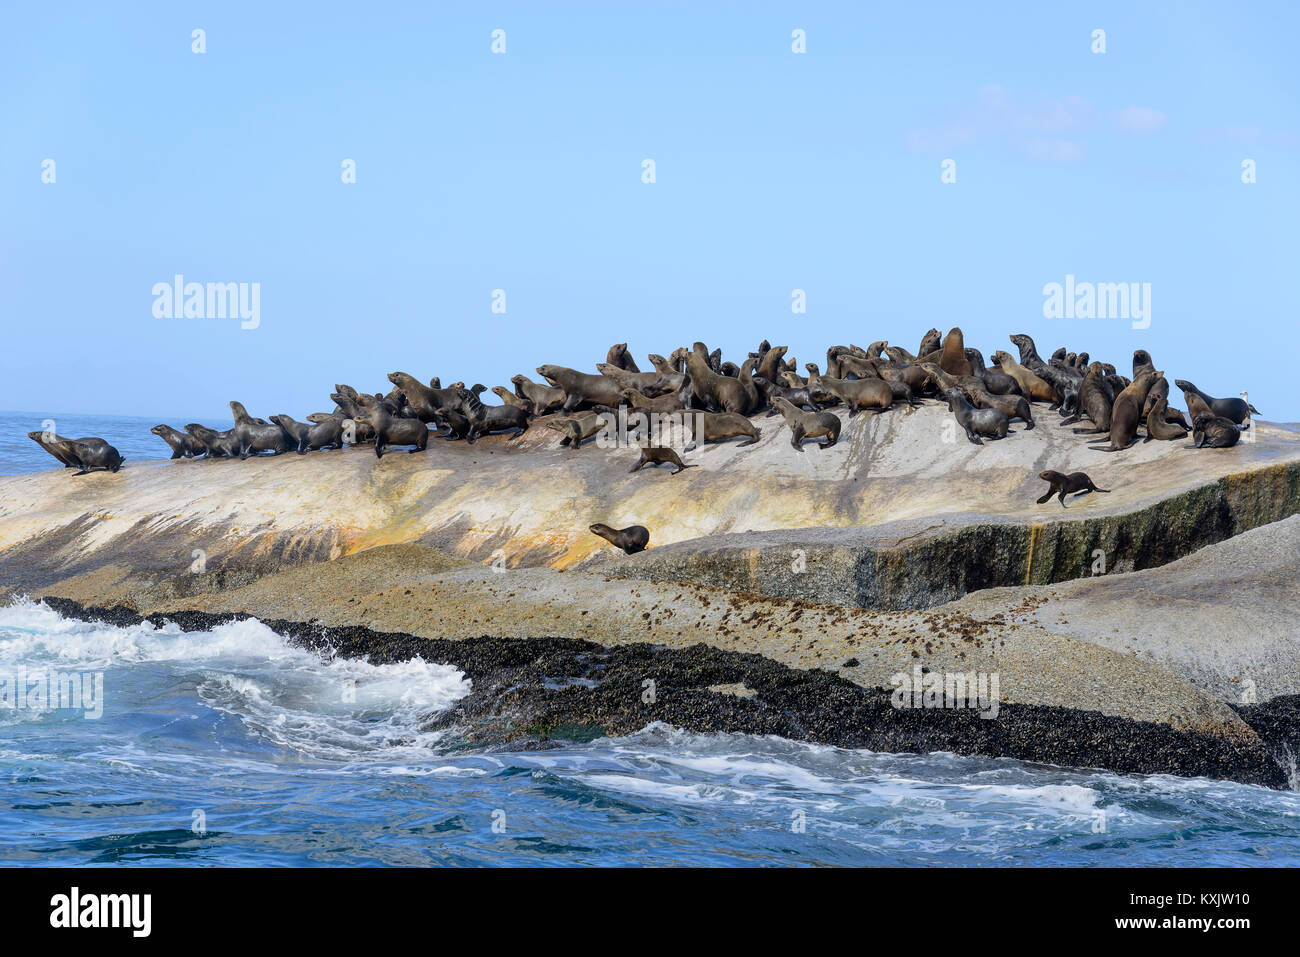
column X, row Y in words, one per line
column 1095, row 489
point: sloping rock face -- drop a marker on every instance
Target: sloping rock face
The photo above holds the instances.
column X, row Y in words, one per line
column 903, row 513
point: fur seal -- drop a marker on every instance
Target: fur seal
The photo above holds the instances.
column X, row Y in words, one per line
column 651, row 383
column 1126, row 413
column 672, row 402
column 182, row 444
column 798, row 397
column 1075, row 482
column 327, row 434
column 577, row 429
column 1032, row 385
column 932, row 341
column 580, row 387
column 656, row 455
column 952, row 357
column 485, row 419
column 220, row 445
column 390, row 430
column 857, row 394
column 987, row 422
column 632, row 539
column 256, row 435
column 1215, row 432
column 808, row 424
column 619, row 357
column 714, row 390
column 424, row 401
column 509, row 398
column 89, row 454
column 715, row 426
column 543, row 398
column 1157, row 427
column 1235, row 409
column 1095, row 400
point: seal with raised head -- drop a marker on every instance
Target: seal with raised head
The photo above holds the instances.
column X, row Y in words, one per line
column 326, row 434
column 952, row 357
column 424, row 401
column 990, row 423
column 714, row 390
column 1126, row 413
column 390, row 430
column 256, row 435
column 182, row 444
column 544, row 398
column 810, row 425
column 220, row 445
column 620, row 357
column 651, row 383
column 657, row 455
column 89, row 454
column 632, row 539
column 486, row 419
column 856, row 394
column 1215, row 432
column 1095, row 400
column 1158, row 427
column 509, row 398
column 1061, row 485
column 1233, row 408
column 1032, row 386
column 580, row 387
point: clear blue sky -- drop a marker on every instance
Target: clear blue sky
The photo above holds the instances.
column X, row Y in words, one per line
column 522, row 171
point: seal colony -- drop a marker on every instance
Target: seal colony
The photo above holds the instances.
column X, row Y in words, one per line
column 694, row 398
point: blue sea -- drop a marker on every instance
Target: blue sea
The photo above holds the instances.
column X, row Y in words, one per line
column 232, row 747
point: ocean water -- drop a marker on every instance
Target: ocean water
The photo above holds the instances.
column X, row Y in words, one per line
column 232, row 747
column 130, row 435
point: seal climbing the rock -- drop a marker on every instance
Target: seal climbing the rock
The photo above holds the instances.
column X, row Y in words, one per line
column 810, row 425
column 632, row 539
column 182, row 444
column 715, row 426
column 656, row 455
column 577, row 429
column 1062, row 485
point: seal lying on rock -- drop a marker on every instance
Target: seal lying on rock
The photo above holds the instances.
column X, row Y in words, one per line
column 991, row 423
column 1215, row 432
column 88, row 455
column 182, row 444
column 808, row 424
column 1075, row 482
column 632, row 539
column 656, row 455
column 716, row 426
column 1158, row 427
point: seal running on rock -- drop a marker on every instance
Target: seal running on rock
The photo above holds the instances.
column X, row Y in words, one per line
column 1075, row 482
column 658, row 454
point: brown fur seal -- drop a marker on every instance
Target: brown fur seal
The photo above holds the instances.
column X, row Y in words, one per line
column 952, row 357
column 987, row 422
column 89, row 454
column 1126, row 414
column 619, row 356
column 327, row 434
column 486, row 419
column 656, row 455
column 1234, row 409
column 182, row 444
column 632, row 539
column 509, row 398
column 1158, row 428
column 715, row 391
column 1075, row 482
column 424, row 401
column 544, row 398
column 580, row 387
column 672, row 402
column 932, row 341
column 220, row 445
column 393, row 431
column 809, row 425
column 1215, row 432
column 715, row 426
column 856, row 394
column 651, row 383
column 1095, row 400
column 1033, row 386
column 257, row 435
column 577, row 429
